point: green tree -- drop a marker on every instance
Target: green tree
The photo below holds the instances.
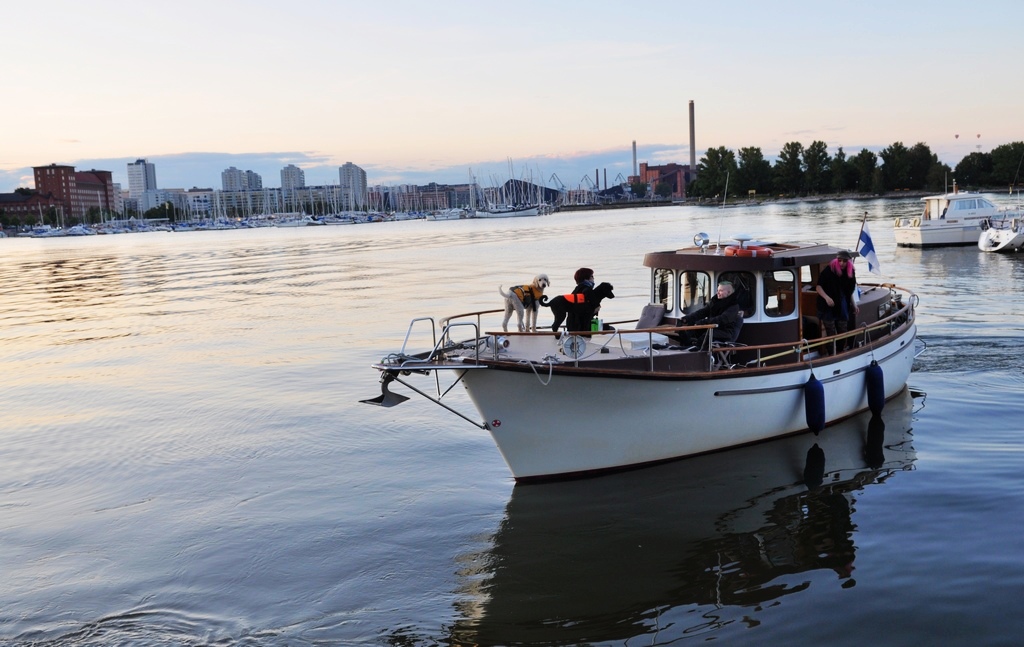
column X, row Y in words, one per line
column 713, row 171
column 1007, row 164
column 864, row 166
column 663, row 189
column 165, row 210
column 975, row 170
column 639, row 189
column 842, row 172
column 788, row 170
column 895, row 167
column 920, row 160
column 754, row 172
column 816, row 171
column 938, row 176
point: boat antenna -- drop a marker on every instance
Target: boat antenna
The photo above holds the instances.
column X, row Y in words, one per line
column 721, row 218
column 1017, row 174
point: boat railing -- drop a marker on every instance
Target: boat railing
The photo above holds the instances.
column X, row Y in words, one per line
column 803, row 350
column 406, row 360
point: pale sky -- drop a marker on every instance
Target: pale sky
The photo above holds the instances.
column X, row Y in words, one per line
column 414, row 91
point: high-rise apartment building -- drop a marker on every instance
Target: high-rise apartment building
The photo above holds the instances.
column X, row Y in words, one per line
column 253, row 181
column 232, row 179
column 141, row 178
column 353, row 186
column 292, row 177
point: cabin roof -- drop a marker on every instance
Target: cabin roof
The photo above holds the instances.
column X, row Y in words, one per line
column 713, row 258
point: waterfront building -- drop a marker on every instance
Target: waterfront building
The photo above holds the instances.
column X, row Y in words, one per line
column 352, row 180
column 27, row 206
column 75, row 193
column 59, row 181
column 232, row 179
column 676, row 175
column 141, row 178
column 292, row 177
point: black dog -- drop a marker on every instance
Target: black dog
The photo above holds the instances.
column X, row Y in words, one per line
column 578, row 308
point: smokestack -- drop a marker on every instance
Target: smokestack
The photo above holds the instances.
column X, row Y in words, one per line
column 634, row 158
column 606, row 179
column 693, row 143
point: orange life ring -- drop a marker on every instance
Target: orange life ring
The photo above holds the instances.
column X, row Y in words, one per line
column 749, row 250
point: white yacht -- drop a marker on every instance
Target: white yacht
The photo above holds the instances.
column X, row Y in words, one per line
column 948, row 219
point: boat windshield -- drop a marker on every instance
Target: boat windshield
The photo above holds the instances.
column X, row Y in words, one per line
column 694, row 290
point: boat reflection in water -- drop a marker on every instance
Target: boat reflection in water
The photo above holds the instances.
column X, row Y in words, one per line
column 634, row 553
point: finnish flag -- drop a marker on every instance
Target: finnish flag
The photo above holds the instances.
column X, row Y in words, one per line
column 866, row 248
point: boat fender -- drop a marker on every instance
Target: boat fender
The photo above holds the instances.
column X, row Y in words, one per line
column 814, row 404
column 916, row 222
column 875, row 384
column 750, row 251
column 896, row 223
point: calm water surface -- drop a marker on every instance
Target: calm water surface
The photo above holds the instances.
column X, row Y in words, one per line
column 185, row 462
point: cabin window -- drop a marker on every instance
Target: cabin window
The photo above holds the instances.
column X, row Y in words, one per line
column 780, row 293
column 746, row 290
column 694, row 290
column 663, row 288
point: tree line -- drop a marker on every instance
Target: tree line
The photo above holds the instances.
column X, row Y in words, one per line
column 810, row 171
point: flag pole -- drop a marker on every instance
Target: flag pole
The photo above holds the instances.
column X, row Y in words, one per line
column 862, row 221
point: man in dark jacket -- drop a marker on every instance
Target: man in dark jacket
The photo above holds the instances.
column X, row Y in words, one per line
column 723, row 310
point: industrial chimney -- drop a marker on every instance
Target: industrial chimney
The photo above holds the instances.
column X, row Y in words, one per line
column 634, row 158
column 693, row 144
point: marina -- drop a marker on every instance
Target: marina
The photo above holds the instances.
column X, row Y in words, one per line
column 185, row 460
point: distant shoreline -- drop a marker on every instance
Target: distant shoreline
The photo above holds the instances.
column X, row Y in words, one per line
column 745, row 202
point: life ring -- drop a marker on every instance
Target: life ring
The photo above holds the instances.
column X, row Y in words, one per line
column 748, row 251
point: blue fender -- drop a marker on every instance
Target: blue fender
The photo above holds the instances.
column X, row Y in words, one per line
column 875, row 384
column 814, row 404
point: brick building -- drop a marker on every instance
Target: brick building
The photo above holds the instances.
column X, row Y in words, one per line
column 76, row 191
column 676, row 175
column 26, row 206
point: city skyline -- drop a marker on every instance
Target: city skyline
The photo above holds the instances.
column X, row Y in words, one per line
column 415, row 94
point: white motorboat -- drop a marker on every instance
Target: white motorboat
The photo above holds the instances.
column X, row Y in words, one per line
column 448, row 214
column 508, row 211
column 304, row 221
column 949, row 219
column 1003, row 234
column 559, row 404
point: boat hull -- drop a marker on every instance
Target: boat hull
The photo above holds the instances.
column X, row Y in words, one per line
column 582, row 423
column 508, row 213
column 1007, row 239
column 938, row 233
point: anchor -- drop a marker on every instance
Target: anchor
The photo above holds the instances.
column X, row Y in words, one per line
column 386, row 397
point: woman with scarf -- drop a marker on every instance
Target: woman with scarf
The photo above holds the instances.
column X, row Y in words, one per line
column 836, row 304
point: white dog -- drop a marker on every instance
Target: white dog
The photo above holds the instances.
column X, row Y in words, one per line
column 525, row 301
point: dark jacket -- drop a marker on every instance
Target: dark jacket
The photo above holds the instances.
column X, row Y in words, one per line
column 723, row 312
column 840, row 289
